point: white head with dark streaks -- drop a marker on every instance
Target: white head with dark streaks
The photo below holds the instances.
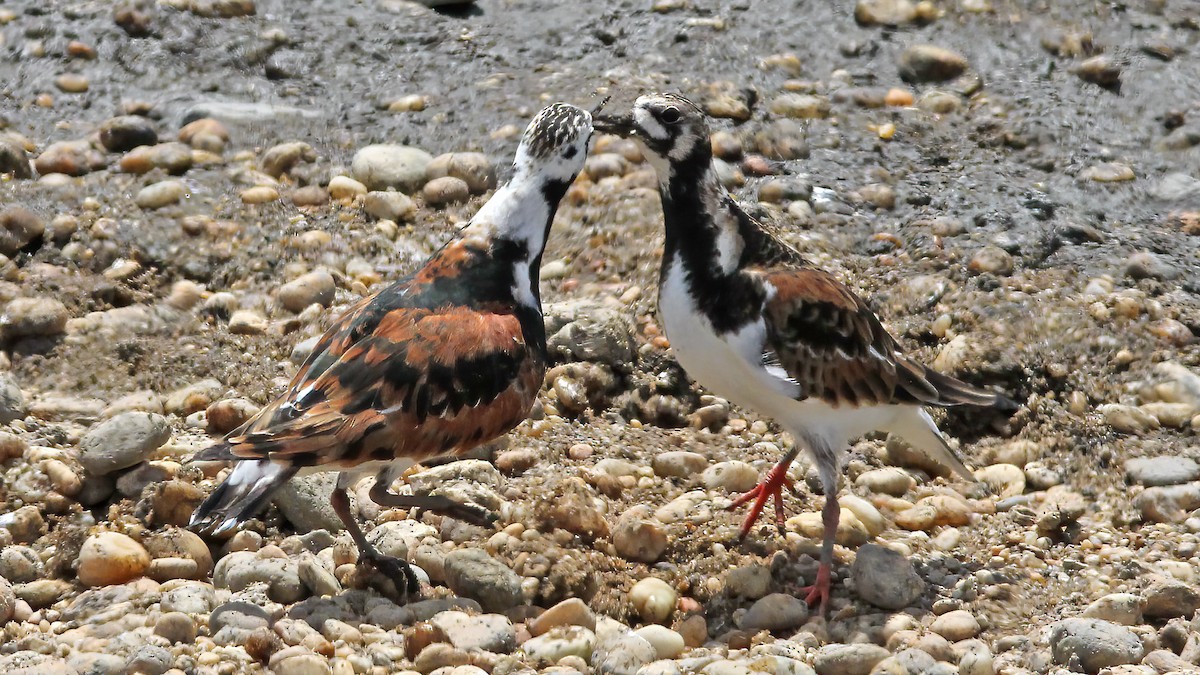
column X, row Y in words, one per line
column 549, row 158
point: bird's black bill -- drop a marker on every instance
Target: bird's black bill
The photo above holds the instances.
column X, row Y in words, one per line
column 621, row 125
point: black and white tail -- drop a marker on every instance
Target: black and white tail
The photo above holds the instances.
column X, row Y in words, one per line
column 241, row 496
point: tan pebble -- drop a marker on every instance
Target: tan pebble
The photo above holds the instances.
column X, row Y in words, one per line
column 653, row 599
column 570, row 612
column 850, row 532
column 180, row 543
column 317, row 287
column 345, row 188
column 638, row 538
column 314, row 240
column 694, row 630
column 259, row 194
column 64, row 479
column 409, row 103
column 446, row 190
column 956, row 625
column 203, row 126
column 165, row 569
column 71, row 83
column 185, row 294
column 109, row 558
column 933, row 511
column 1005, row 480
column 898, row 97
column 310, row 195
column 247, row 322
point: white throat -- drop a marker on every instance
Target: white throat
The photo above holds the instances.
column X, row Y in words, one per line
column 518, row 212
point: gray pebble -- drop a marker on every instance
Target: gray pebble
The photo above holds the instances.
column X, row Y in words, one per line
column 775, row 612
column 1167, row 597
column 150, row 660
column 1164, row 470
column 885, row 578
column 304, row 501
column 12, row 401
column 14, row 159
column 851, row 659
column 1093, row 644
column 472, row 573
column 122, row 442
column 238, row 570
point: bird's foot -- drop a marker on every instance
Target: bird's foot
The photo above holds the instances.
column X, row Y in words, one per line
column 770, row 486
column 398, row 571
column 819, row 591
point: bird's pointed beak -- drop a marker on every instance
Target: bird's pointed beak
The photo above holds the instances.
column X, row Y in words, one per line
column 621, row 125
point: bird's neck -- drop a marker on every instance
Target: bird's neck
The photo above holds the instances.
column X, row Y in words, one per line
column 702, row 231
column 515, row 224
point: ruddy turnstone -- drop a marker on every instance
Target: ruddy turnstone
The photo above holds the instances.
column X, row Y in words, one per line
column 749, row 318
column 431, row 366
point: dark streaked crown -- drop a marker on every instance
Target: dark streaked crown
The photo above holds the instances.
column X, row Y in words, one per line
column 556, row 127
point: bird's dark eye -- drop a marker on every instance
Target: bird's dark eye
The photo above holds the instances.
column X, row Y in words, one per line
column 570, row 152
column 669, row 115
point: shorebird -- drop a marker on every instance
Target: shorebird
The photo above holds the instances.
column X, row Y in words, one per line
column 431, row 366
column 750, row 319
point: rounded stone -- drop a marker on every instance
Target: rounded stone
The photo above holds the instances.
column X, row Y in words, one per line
column 158, row 195
column 472, row 167
column 282, row 158
column 929, row 63
column 34, row 317
column 639, row 539
column 446, row 190
column 653, row 599
column 122, row 441
column 176, row 627
column 108, row 558
column 345, row 188
column 316, row 287
column 667, row 643
column 848, row 659
column 121, row 134
column 885, row 578
column 956, row 625
column 19, row 227
column 559, row 642
column 991, row 260
column 259, row 194
column 1095, row 644
column 678, row 464
column 730, row 476
column 472, row 573
column 569, row 612
column 395, row 206
column 229, row 413
column 889, row 480
column 1122, row 608
column 400, row 167
column 775, row 612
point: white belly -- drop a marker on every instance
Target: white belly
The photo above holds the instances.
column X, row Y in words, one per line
column 730, row 366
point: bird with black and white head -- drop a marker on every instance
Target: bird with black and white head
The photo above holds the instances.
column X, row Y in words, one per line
column 750, row 319
column 433, row 365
